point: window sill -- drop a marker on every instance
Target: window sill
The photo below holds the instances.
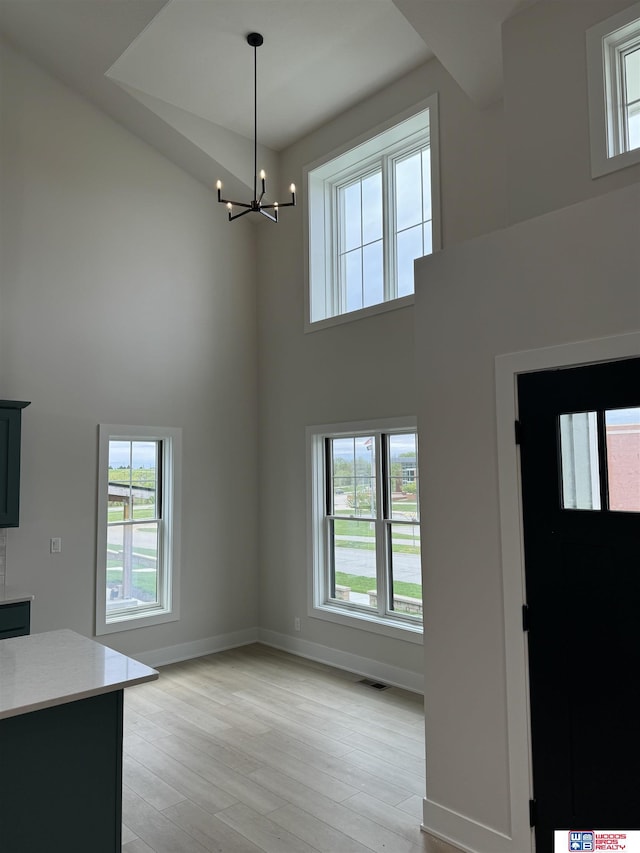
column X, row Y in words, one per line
column 603, row 165
column 130, row 621
column 360, row 314
column 395, row 629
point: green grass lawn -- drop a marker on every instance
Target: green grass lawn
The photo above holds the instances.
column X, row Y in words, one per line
column 361, row 584
column 344, row 527
column 116, row 513
column 144, row 583
column 370, row 546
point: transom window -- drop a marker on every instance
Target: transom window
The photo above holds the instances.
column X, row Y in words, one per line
column 613, row 53
column 138, row 532
column 370, row 216
column 366, row 525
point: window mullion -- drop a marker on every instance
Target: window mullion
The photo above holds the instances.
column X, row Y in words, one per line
column 339, row 299
column 382, row 546
column 620, row 111
column 388, row 228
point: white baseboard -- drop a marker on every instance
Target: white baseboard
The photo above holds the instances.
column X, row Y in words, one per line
column 464, row 832
column 198, row 648
column 393, row 675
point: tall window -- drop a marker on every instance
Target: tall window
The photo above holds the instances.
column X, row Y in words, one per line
column 613, row 53
column 138, row 528
column 366, row 525
column 371, row 214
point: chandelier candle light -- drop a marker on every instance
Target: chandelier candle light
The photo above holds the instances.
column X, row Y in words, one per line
column 256, row 205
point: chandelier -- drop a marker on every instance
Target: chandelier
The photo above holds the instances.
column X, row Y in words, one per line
column 256, row 205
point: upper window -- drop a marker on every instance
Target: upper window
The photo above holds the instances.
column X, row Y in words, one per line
column 372, row 212
column 138, row 527
column 613, row 55
column 366, row 526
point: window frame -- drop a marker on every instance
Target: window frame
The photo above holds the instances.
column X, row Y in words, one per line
column 607, row 44
column 322, row 179
column 168, row 607
column 320, row 603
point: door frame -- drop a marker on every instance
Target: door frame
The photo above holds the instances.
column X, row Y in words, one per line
column 507, row 369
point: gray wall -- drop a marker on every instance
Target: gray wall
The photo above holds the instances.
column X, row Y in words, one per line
column 565, row 277
column 124, row 298
column 546, row 107
column 356, row 371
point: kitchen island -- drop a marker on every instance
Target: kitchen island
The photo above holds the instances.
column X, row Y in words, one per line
column 61, row 701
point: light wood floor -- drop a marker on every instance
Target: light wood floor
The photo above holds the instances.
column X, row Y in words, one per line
column 257, row 751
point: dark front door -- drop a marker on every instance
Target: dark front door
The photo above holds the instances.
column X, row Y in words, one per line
column 580, row 464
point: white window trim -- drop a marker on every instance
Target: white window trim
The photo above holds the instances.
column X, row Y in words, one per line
column 431, row 104
column 169, row 608
column 604, row 42
column 318, row 607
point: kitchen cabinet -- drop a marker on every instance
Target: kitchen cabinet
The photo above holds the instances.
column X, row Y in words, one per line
column 15, row 619
column 10, row 426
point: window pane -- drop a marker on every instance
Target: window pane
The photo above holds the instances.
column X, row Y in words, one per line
column 132, row 566
column 354, row 561
column 633, row 126
column 580, row 465
column 403, row 477
column 408, row 175
column 406, row 570
column 352, row 279
column 372, row 208
column 353, row 467
column 119, row 500
column 632, row 75
column 143, row 478
column 427, row 238
column 351, row 218
column 408, row 248
column 372, row 263
column 623, row 459
column 426, row 184
column 342, row 474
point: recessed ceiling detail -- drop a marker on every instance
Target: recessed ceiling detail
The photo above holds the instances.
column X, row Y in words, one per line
column 319, row 58
column 169, row 70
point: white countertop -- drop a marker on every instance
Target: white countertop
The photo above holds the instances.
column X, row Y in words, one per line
column 43, row 670
column 13, row 595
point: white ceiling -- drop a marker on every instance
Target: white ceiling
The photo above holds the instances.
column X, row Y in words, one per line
column 179, row 73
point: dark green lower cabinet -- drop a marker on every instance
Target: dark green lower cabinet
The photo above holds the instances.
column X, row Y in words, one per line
column 10, row 427
column 61, row 778
column 15, row 619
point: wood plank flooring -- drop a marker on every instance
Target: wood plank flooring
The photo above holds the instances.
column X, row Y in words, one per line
column 257, row 751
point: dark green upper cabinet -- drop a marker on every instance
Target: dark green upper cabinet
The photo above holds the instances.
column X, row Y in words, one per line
column 10, row 422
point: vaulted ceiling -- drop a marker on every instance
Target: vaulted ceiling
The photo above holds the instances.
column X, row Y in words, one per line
column 179, row 73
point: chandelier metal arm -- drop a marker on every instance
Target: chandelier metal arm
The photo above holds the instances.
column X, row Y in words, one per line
column 278, row 205
column 242, row 213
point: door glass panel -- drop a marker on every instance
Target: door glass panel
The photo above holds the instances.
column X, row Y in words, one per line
column 623, row 459
column 579, row 458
